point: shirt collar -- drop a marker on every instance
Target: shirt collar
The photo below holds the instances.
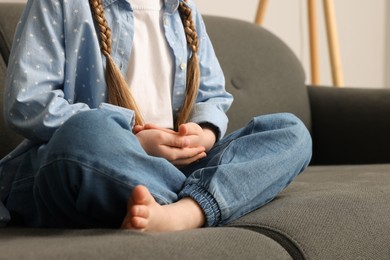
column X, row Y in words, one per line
column 108, row 2
column 171, row 6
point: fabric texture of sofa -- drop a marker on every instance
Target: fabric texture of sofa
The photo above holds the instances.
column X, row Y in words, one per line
column 337, row 209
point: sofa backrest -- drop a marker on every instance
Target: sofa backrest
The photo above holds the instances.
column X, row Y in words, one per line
column 9, row 17
column 261, row 72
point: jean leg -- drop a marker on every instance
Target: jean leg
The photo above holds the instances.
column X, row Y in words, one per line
column 89, row 168
column 249, row 168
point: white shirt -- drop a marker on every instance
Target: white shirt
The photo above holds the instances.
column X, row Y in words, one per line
column 150, row 74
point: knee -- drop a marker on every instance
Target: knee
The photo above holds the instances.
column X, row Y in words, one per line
column 281, row 121
column 88, row 133
column 295, row 126
column 95, row 120
column 287, row 127
column 301, row 137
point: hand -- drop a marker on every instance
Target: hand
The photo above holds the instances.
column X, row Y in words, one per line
column 197, row 136
column 174, row 146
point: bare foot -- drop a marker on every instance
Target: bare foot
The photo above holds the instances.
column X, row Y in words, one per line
column 145, row 214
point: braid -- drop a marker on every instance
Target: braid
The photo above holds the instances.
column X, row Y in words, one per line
column 118, row 91
column 193, row 70
column 105, row 31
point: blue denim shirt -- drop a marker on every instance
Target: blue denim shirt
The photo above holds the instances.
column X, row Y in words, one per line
column 56, row 70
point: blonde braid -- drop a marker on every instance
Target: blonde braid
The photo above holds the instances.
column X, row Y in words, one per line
column 193, row 70
column 118, row 91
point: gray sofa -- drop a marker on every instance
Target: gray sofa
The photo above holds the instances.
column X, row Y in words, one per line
column 337, row 209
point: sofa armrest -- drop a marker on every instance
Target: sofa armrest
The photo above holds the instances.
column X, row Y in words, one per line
column 350, row 126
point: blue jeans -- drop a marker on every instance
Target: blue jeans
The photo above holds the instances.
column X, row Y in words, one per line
column 84, row 175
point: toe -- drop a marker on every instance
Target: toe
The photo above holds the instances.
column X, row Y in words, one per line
column 139, row 223
column 142, row 196
column 140, row 211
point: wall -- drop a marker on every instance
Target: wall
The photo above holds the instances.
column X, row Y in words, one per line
column 361, row 25
column 387, row 64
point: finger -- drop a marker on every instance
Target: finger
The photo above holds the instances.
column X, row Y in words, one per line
column 151, row 126
column 163, row 136
column 156, row 127
column 184, row 162
column 174, row 140
column 175, row 154
column 137, row 129
column 190, row 128
column 183, row 129
column 193, row 133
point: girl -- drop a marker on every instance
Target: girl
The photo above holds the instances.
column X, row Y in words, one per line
column 122, row 104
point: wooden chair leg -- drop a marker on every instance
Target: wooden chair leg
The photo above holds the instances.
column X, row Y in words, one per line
column 313, row 42
column 331, row 27
column 333, row 42
column 261, row 12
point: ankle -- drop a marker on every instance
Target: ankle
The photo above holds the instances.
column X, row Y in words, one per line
column 188, row 213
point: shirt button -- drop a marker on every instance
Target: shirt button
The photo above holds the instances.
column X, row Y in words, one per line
column 183, row 66
column 166, row 22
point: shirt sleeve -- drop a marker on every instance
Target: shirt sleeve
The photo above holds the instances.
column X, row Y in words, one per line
column 213, row 101
column 36, row 104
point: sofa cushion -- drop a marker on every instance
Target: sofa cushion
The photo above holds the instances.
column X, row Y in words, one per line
column 332, row 212
column 350, row 125
column 208, row 243
column 8, row 139
column 262, row 73
column 9, row 16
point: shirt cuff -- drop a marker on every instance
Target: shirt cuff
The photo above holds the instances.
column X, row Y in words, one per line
column 129, row 114
column 211, row 115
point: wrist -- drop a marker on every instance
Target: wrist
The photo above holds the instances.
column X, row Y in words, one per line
column 210, row 135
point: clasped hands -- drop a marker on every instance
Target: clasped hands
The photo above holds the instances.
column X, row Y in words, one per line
column 189, row 144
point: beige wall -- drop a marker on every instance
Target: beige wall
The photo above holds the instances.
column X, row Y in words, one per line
column 361, row 26
column 387, row 64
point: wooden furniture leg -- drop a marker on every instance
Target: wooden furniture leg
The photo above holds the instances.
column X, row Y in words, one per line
column 334, row 49
column 313, row 42
column 261, row 12
column 331, row 28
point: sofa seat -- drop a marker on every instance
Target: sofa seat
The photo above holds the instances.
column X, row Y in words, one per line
column 328, row 212
column 208, row 243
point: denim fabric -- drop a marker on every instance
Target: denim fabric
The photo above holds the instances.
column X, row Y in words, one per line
column 85, row 174
column 249, row 167
column 56, row 70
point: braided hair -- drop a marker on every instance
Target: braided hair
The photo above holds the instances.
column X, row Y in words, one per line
column 118, row 91
column 193, row 70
